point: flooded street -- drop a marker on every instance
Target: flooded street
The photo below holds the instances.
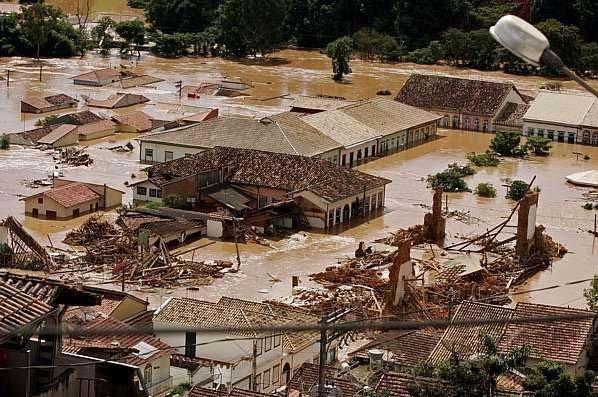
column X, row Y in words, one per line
column 308, row 73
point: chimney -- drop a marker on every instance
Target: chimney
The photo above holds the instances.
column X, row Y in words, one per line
column 375, row 356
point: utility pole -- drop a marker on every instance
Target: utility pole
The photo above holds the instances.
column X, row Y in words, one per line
column 8, row 77
column 179, row 85
column 122, row 286
column 325, row 339
column 237, row 244
column 40, row 71
column 28, row 380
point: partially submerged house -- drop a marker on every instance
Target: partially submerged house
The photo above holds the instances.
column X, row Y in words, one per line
column 563, row 117
column 134, row 122
column 70, row 199
column 96, row 130
column 116, row 101
column 98, row 78
column 316, row 104
column 345, row 136
column 62, row 135
column 465, row 104
column 221, row 364
column 326, row 194
column 47, row 104
column 139, row 80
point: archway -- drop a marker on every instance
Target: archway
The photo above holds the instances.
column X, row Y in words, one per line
column 286, row 374
column 346, row 213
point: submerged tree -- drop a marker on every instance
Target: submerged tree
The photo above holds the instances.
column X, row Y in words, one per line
column 340, row 52
column 507, row 144
column 539, row 145
column 132, row 32
column 4, row 142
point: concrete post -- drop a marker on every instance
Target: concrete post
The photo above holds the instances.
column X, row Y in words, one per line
column 435, row 223
column 526, row 224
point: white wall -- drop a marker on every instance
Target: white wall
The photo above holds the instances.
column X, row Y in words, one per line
column 354, row 150
column 548, row 126
column 147, row 185
column 160, row 148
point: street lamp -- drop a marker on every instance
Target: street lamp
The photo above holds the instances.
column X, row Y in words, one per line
column 528, row 43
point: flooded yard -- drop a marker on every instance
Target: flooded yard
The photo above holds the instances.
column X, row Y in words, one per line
column 301, row 72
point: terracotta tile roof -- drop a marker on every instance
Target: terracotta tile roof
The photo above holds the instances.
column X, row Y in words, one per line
column 319, row 103
column 467, row 340
column 198, row 391
column 98, row 75
column 19, row 310
column 49, row 101
column 511, row 381
column 396, row 384
column 387, row 116
column 406, row 348
column 57, row 133
column 292, row 341
column 512, row 114
column 306, row 377
column 143, row 319
column 139, row 120
column 60, row 99
column 137, row 81
column 72, row 194
column 90, row 128
column 79, row 118
column 274, row 170
column 51, row 292
column 148, row 348
column 118, row 100
column 454, row 94
column 561, row 341
column 36, row 134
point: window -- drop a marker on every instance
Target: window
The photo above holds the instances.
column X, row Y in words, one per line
column 366, row 204
column 338, row 216
column 373, row 150
column 147, row 374
column 275, row 374
column 268, row 343
column 330, row 221
column 153, row 193
column 550, row 135
column 76, row 212
column 262, row 202
column 168, row 156
column 159, row 193
column 141, row 191
column 359, row 155
column 259, row 346
column 266, row 378
column 40, row 200
column 351, row 156
column 380, row 200
column 531, row 131
column 335, row 159
column 344, row 160
column 277, row 336
column 190, row 341
column 258, row 382
column 366, row 152
column 149, row 154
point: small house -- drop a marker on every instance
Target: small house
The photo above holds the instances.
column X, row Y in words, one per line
column 47, row 104
column 119, row 100
column 96, row 130
column 98, row 78
column 69, row 199
column 63, row 135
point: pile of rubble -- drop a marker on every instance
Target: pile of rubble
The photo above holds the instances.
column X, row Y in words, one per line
column 363, row 302
column 358, row 271
column 74, row 156
column 413, row 233
column 90, row 232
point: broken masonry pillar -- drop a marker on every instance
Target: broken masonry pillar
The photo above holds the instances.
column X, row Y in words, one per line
column 435, row 223
column 400, row 271
column 526, row 224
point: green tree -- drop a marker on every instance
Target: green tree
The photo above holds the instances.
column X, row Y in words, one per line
column 35, row 24
column 451, row 179
column 100, row 36
column 171, row 16
column 132, row 32
column 507, row 143
column 4, row 142
column 591, row 294
column 475, row 377
column 340, row 52
column 539, row 145
column 251, row 26
column 170, row 45
column 549, row 379
column 485, row 190
column 588, row 17
column 488, row 159
column 518, row 190
column 565, row 41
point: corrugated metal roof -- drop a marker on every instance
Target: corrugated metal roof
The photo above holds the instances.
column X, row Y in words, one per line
column 560, row 108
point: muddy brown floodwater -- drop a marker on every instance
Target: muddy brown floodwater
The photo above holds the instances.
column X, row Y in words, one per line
column 308, row 72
